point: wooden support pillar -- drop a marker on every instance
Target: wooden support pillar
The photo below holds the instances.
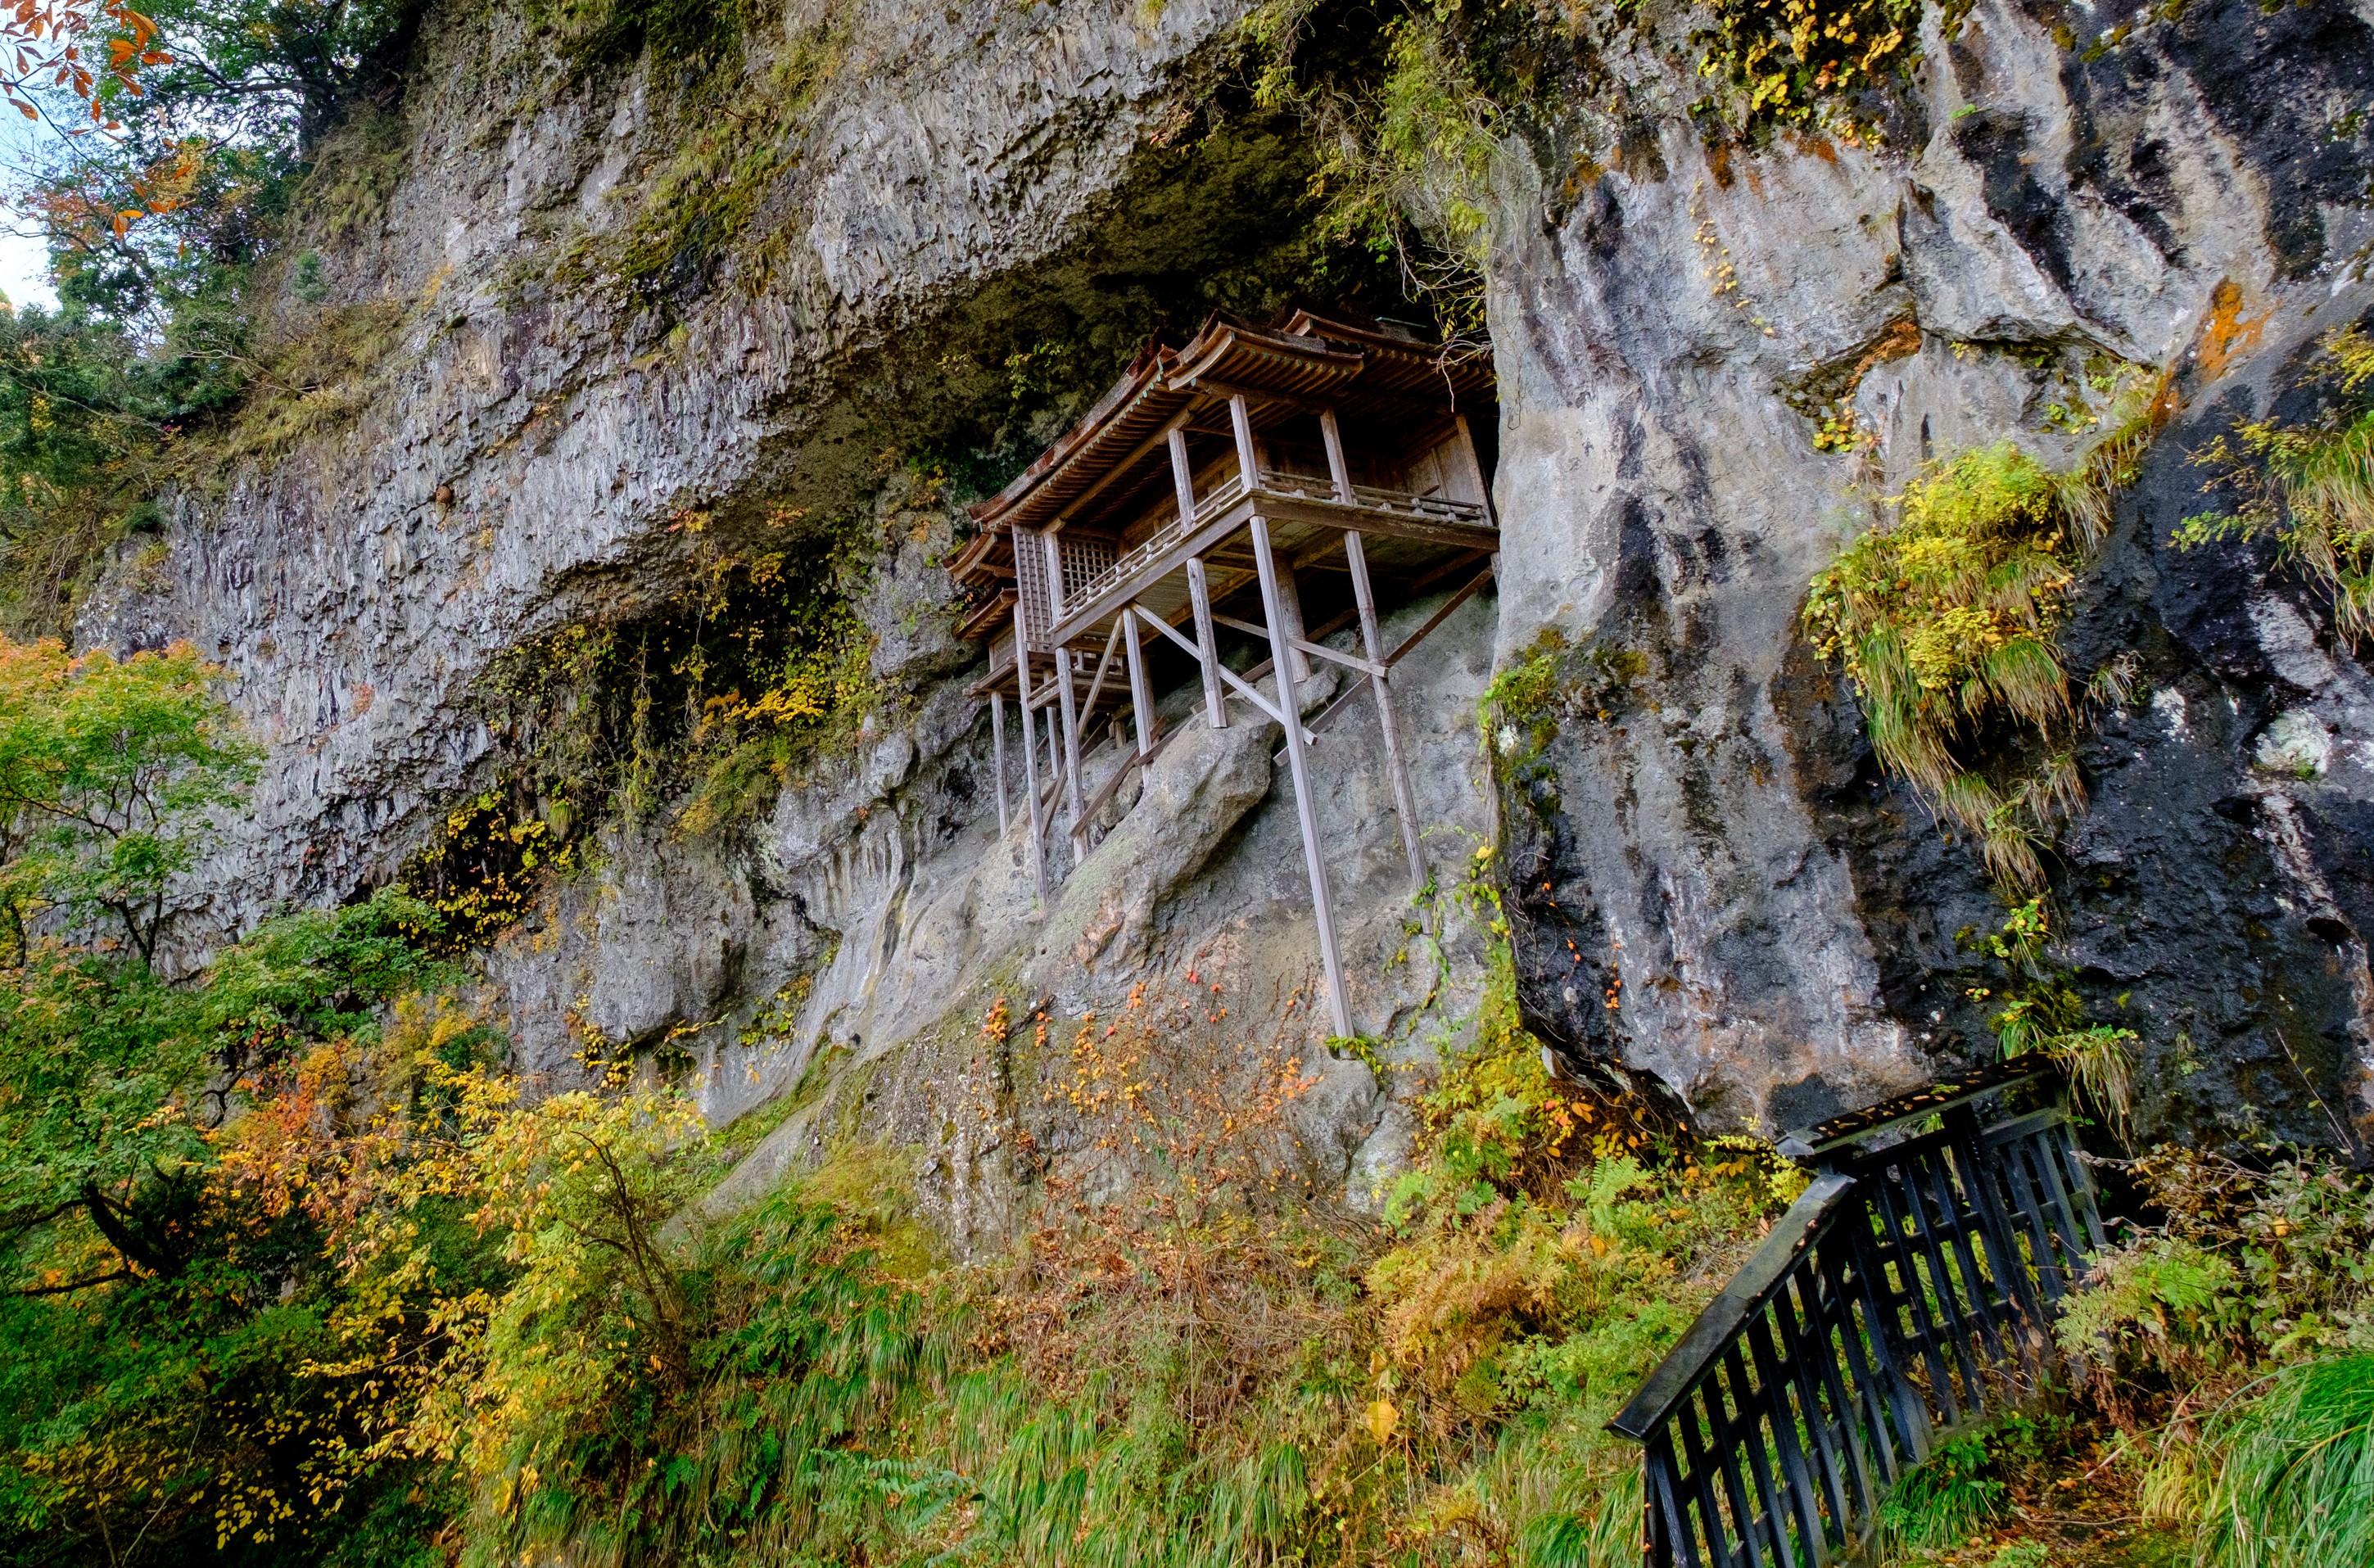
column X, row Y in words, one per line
column 1075, row 809
column 1337, row 469
column 1396, row 766
column 1030, row 759
column 1067, row 699
column 1182, row 478
column 1240, row 420
column 997, row 750
column 1141, row 704
column 1208, row 645
column 1339, row 1001
column 1289, row 599
column 1475, row 470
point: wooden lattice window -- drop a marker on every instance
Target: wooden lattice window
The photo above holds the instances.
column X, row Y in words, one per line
column 1030, row 584
column 1083, row 560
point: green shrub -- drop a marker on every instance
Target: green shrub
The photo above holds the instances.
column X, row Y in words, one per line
column 1945, row 1497
column 2228, row 1344
column 2041, row 1012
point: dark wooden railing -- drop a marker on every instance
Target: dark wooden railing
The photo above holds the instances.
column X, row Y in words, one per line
column 1909, row 1290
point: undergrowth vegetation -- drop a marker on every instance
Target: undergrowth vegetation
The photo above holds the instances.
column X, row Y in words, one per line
column 298, row 1268
column 2230, row 1345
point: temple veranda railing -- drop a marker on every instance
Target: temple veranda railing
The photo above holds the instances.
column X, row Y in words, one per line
column 1909, row 1290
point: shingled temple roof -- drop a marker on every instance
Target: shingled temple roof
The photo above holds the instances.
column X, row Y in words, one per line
column 1107, row 462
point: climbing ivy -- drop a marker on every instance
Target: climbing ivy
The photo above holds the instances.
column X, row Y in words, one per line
column 481, row 874
column 1801, row 63
column 710, row 700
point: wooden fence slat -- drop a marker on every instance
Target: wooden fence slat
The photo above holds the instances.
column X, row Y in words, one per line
column 1773, row 1430
column 1710, row 1516
column 1786, row 1415
column 1829, row 1416
column 1957, row 1207
column 1754, row 1440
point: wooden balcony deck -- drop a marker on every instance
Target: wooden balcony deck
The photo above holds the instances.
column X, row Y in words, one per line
column 1302, row 512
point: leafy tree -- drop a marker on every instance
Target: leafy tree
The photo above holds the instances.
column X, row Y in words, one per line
column 47, row 50
column 171, row 190
column 163, row 1293
column 81, row 427
column 107, row 770
column 158, row 224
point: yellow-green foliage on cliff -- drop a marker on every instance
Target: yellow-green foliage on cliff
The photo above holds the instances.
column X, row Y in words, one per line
column 1945, row 618
column 2308, row 488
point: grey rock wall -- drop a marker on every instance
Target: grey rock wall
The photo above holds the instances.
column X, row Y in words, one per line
column 1764, row 923
column 524, row 452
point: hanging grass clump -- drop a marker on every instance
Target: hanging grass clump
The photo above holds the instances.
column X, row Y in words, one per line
column 1945, row 623
column 2308, row 488
column 1945, row 619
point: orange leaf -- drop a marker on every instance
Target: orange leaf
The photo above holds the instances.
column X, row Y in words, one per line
column 27, row 109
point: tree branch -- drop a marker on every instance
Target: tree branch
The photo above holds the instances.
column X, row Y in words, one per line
column 106, row 1279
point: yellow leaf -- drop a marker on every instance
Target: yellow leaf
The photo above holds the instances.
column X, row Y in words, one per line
column 1382, row 1420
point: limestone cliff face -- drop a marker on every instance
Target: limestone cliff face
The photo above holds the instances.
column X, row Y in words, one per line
column 1776, row 920
column 1717, row 854
column 530, row 441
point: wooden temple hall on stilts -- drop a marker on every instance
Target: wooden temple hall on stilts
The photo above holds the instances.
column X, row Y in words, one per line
column 1214, row 493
